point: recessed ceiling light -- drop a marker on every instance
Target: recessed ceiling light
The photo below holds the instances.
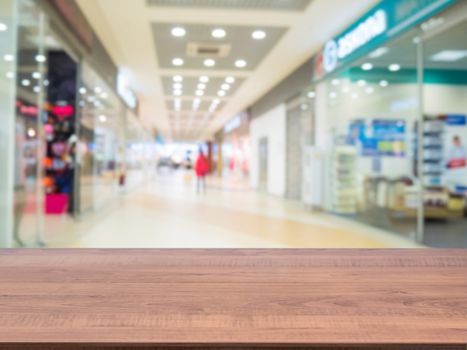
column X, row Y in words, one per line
column 367, row 66
column 102, row 118
column 177, row 78
column 40, row 58
column 8, row 57
column 199, row 93
column 369, row 90
column 3, row 27
column 449, row 56
column 383, row 83
column 98, row 90
column 177, row 61
column 178, row 32
column 240, row 63
column 104, row 95
column 82, row 90
column 177, row 86
column 221, row 93
column 31, row 132
column 25, row 82
column 394, row 67
column 10, row 75
column 209, row 62
column 311, row 94
column 258, row 34
column 36, row 89
column 46, row 82
column 36, row 75
column 361, row 82
column 216, row 101
column 345, row 89
column 197, row 101
column 379, row 52
column 225, row 87
column 201, row 86
column 203, row 79
column 177, row 92
column 218, row 33
column 230, row 80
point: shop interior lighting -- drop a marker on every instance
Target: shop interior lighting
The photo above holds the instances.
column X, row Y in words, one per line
column 31, row 132
column 221, row 93
column 199, row 92
column 10, row 75
column 8, row 57
column 367, row 66
column 335, row 82
column 82, row 90
column 345, row 89
column 40, row 58
column 369, row 90
column 177, row 62
column 449, row 56
column 178, row 32
column 230, row 80
column 311, row 94
column 201, row 86
column 97, row 90
column 3, row 27
column 361, row 82
column 177, row 78
column 203, row 79
column 177, row 86
column 225, row 87
column 240, row 63
column 36, row 89
column 104, row 95
column 218, row 33
column 25, row 82
column 304, row 106
column 383, row 83
column 46, row 82
column 102, row 118
column 177, row 92
column 394, row 67
column 258, row 34
column 379, row 52
column 209, row 62
column 332, row 95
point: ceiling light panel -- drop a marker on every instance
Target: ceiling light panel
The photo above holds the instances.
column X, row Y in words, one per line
column 237, row 44
column 271, row 5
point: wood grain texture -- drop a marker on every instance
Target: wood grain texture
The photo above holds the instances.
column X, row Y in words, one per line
column 320, row 299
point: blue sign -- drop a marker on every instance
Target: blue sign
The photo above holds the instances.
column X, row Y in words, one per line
column 456, row 119
column 386, row 20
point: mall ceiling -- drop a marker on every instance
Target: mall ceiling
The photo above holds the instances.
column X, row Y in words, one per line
column 196, row 63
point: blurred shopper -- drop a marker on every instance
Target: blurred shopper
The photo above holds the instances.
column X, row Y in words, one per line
column 201, row 169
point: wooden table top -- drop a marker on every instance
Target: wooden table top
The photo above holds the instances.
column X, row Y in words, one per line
column 233, row 297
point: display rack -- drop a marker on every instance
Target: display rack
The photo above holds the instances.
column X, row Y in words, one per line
column 343, row 180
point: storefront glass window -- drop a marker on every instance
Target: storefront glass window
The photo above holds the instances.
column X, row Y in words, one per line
column 445, row 129
column 371, row 110
column 7, row 125
column 101, row 132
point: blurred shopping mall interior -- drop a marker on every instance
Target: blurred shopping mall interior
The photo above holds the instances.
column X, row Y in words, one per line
column 231, row 124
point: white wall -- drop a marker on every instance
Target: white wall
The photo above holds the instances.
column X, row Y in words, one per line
column 272, row 125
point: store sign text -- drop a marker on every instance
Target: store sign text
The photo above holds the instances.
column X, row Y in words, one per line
column 338, row 49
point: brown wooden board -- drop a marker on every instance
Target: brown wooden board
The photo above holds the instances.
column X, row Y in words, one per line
column 316, row 299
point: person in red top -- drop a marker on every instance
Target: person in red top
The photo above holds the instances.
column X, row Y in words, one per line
column 201, row 169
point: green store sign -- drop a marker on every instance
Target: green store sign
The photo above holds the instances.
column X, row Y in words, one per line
column 386, row 20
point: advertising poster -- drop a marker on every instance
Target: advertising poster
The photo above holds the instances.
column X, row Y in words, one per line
column 455, row 146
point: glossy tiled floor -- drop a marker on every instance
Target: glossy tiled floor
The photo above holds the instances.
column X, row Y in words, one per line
column 168, row 213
